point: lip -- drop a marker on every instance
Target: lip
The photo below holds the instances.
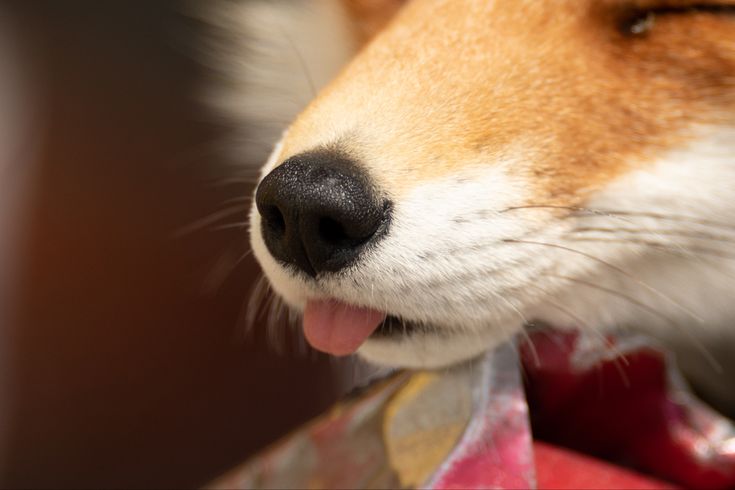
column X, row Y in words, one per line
column 394, row 327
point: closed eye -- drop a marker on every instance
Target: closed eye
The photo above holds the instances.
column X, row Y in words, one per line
column 638, row 21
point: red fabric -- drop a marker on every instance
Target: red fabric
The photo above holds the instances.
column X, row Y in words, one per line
column 618, row 409
column 615, row 404
column 563, row 469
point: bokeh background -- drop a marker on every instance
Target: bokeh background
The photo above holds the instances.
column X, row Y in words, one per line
column 123, row 361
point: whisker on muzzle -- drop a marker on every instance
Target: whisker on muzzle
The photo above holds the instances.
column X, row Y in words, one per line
column 708, row 356
column 615, row 269
column 210, row 220
column 582, row 212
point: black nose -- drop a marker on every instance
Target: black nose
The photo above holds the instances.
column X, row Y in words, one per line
column 319, row 211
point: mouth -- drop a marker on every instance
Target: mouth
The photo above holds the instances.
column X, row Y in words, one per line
column 340, row 329
column 394, row 327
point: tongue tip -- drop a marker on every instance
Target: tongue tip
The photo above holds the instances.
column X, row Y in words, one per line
column 338, row 328
column 321, row 340
column 331, row 348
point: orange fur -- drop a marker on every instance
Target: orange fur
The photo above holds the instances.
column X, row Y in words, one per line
column 552, row 86
column 371, row 16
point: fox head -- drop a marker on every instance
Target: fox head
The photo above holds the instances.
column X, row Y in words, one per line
column 482, row 165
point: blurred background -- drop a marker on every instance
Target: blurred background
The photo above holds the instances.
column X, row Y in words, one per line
column 123, row 359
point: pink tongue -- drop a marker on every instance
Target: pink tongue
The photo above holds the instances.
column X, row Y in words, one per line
column 337, row 328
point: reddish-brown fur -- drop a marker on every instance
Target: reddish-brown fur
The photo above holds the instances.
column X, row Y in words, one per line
column 552, row 86
column 371, row 16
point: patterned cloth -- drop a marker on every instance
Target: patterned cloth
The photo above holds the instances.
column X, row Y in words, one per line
column 618, row 399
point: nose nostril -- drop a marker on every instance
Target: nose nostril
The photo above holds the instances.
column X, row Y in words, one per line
column 332, row 232
column 274, row 219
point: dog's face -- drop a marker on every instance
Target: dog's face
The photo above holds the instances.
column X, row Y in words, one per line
column 483, row 164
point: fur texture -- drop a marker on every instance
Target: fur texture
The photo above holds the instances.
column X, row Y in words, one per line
column 545, row 167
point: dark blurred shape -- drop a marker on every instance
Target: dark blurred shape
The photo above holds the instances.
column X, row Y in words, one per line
column 121, row 372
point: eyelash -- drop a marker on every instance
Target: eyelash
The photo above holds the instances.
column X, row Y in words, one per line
column 641, row 21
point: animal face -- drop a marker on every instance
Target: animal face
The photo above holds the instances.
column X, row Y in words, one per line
column 482, row 165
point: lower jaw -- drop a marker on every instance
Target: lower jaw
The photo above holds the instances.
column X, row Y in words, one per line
column 428, row 350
